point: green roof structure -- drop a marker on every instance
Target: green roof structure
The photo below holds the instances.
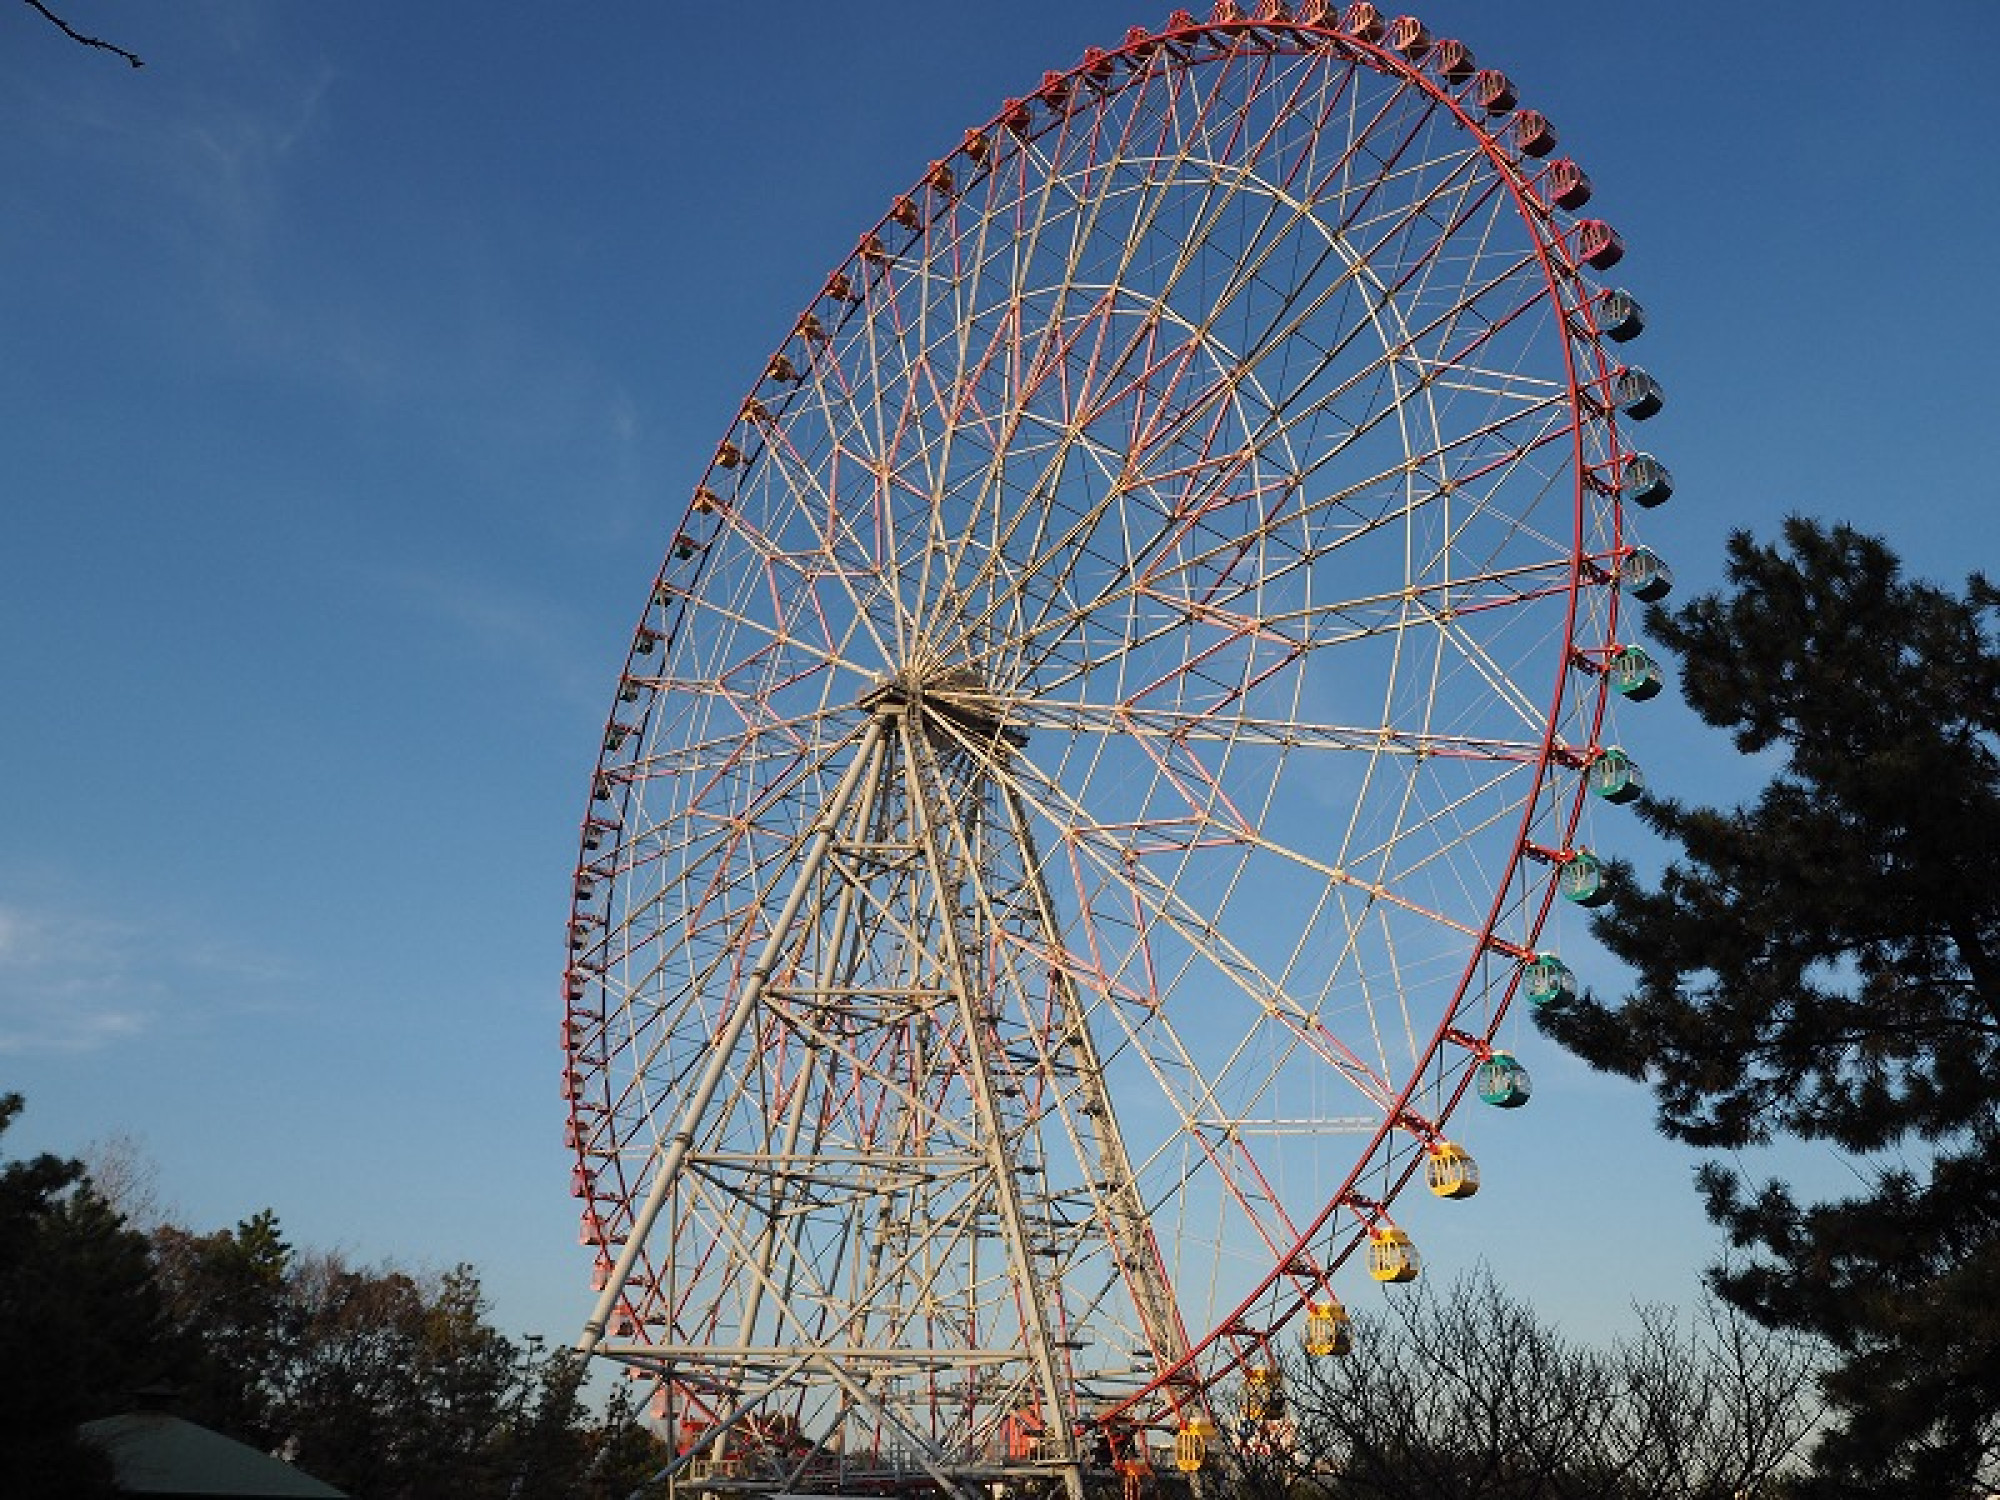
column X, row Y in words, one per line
column 153, row 1453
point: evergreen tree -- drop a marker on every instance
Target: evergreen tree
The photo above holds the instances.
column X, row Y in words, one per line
column 1823, row 964
column 228, row 1295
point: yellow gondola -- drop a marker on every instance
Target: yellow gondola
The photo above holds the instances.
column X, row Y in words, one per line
column 1327, row 1331
column 1263, row 1394
column 1191, row 1445
column 1450, row 1171
column 1391, row 1256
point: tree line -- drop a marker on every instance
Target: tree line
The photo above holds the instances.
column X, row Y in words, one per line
column 384, row 1382
column 389, row 1384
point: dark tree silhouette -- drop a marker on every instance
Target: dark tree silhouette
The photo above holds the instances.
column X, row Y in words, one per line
column 80, row 1323
column 1823, row 964
column 387, row 1383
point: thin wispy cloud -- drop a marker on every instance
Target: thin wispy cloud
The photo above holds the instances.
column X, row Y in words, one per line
column 227, row 163
column 71, row 981
column 536, row 639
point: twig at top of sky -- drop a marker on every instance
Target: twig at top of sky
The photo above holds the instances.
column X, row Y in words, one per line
column 76, row 36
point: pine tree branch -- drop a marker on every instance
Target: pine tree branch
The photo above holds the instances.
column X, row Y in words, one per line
column 76, row 36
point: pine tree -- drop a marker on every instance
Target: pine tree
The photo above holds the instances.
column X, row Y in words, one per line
column 228, row 1296
column 1823, row 964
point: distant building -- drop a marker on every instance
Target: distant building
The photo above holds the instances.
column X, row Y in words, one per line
column 153, row 1453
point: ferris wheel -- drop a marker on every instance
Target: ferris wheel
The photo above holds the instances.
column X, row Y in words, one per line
column 1116, row 715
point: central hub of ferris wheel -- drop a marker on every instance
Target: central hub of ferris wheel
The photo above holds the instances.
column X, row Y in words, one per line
column 954, row 1114
column 955, row 694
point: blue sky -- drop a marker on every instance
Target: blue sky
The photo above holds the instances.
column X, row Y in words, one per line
column 358, row 359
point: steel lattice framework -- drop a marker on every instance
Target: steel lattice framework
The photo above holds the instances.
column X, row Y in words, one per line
column 1100, row 753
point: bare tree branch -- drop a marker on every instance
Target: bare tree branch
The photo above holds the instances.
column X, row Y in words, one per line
column 76, row 36
column 1464, row 1391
